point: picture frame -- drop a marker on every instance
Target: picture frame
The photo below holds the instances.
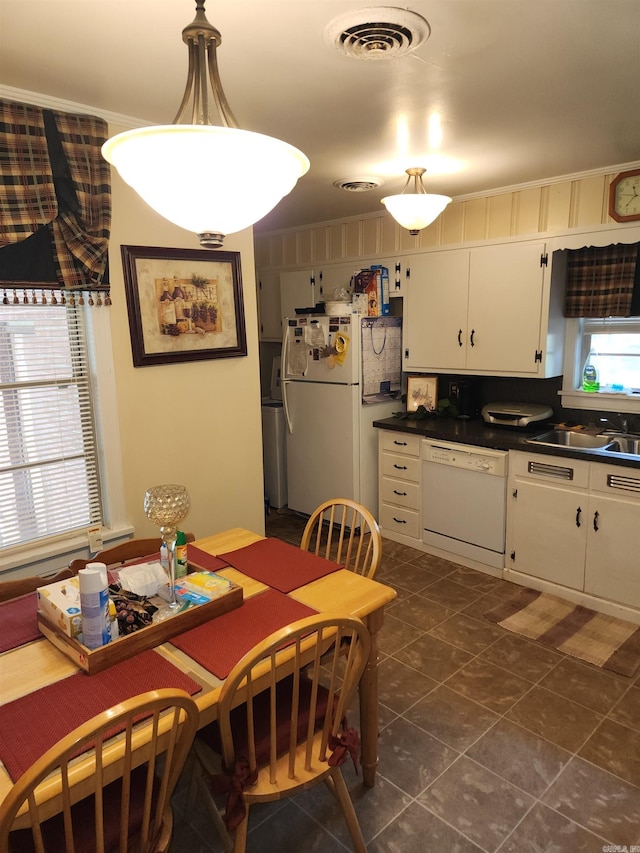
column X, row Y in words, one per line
column 422, row 391
column 183, row 304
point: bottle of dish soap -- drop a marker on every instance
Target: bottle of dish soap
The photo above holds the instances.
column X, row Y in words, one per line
column 180, row 555
column 590, row 374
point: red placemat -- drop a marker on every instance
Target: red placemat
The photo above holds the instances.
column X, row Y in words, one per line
column 219, row 644
column 19, row 621
column 31, row 725
column 279, row 564
column 202, row 560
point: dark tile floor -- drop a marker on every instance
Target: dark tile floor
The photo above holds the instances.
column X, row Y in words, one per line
column 488, row 742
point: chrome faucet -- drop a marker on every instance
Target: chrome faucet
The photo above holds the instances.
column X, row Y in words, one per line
column 623, row 426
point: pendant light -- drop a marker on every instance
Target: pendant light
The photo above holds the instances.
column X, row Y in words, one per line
column 416, row 209
column 212, row 179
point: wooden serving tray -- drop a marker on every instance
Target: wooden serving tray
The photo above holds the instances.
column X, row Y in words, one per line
column 95, row 660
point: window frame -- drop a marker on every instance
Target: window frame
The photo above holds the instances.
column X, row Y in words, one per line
column 572, row 397
column 53, row 553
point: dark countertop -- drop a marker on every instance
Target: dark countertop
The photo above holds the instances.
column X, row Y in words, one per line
column 476, row 432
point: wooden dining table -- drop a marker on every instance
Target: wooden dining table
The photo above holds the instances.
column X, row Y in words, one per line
column 34, row 666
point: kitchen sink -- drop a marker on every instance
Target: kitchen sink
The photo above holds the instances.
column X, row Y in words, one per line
column 566, row 438
column 606, row 441
column 624, row 443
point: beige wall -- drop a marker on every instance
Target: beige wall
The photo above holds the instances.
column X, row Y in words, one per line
column 196, row 423
column 554, row 206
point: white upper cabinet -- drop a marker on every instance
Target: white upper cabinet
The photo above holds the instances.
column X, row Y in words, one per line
column 269, row 306
column 484, row 310
column 434, row 320
column 298, row 289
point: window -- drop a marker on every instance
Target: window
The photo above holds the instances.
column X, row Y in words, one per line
column 614, row 343
column 49, row 483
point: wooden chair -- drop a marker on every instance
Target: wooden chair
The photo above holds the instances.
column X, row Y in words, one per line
column 21, row 586
column 288, row 735
column 344, row 531
column 104, row 807
column 121, row 554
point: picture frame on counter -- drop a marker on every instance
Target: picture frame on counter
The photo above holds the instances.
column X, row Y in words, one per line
column 422, row 391
column 183, row 304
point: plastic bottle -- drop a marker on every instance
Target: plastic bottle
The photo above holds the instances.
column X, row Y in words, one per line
column 181, row 554
column 590, row 374
column 94, row 605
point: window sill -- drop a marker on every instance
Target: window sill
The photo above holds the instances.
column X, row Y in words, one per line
column 49, row 557
column 600, row 401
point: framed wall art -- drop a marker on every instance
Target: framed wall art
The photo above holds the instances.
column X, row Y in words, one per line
column 422, row 391
column 183, row 304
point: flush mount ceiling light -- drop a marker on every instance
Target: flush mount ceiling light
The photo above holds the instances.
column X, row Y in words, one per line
column 212, row 179
column 417, row 208
column 378, row 32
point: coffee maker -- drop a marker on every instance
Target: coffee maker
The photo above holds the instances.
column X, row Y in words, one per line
column 466, row 399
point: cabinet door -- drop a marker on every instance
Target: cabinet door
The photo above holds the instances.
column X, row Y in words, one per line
column 269, row 306
column 548, row 532
column 434, row 324
column 505, row 308
column 613, row 545
column 297, row 290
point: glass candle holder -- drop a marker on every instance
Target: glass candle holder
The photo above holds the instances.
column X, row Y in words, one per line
column 166, row 506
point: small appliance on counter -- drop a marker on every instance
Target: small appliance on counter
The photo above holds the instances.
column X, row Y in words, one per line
column 515, row 414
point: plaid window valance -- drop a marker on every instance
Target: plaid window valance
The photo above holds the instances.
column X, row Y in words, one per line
column 55, row 198
column 603, row 281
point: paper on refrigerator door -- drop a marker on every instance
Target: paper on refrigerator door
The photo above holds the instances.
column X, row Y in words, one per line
column 297, row 357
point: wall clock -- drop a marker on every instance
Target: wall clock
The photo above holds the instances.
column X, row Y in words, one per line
column 624, row 196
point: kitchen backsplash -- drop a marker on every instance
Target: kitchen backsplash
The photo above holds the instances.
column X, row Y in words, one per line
column 495, row 389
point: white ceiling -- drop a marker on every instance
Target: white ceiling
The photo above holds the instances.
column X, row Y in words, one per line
column 524, row 89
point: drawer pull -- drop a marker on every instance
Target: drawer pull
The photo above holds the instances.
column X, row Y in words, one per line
column 400, row 467
column 400, row 443
column 596, row 516
column 402, row 494
column 399, row 520
column 578, row 513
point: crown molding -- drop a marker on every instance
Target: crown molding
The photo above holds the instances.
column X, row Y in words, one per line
column 48, row 102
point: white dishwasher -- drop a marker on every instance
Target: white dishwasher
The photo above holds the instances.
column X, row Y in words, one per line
column 464, row 496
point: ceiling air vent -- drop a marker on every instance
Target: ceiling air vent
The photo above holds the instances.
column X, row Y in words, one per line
column 358, row 185
column 379, row 32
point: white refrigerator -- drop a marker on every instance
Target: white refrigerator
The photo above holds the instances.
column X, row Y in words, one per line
column 339, row 374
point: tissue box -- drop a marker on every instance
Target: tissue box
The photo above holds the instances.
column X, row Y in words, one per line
column 60, row 604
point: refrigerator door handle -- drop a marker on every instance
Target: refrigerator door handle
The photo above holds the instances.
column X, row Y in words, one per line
column 283, row 379
column 285, row 406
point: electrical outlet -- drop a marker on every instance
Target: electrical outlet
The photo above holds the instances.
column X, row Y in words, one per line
column 453, row 390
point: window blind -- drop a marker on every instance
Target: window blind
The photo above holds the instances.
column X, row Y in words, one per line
column 49, row 483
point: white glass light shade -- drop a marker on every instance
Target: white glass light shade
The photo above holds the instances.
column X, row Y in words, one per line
column 415, row 211
column 207, row 179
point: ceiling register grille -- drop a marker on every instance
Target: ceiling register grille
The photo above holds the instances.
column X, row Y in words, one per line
column 381, row 32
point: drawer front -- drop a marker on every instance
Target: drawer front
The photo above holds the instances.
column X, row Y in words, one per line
column 402, row 467
column 400, row 520
column 397, row 442
column 400, row 493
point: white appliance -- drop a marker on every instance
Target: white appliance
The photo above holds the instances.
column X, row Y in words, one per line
column 339, row 374
column 274, row 453
column 464, row 499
